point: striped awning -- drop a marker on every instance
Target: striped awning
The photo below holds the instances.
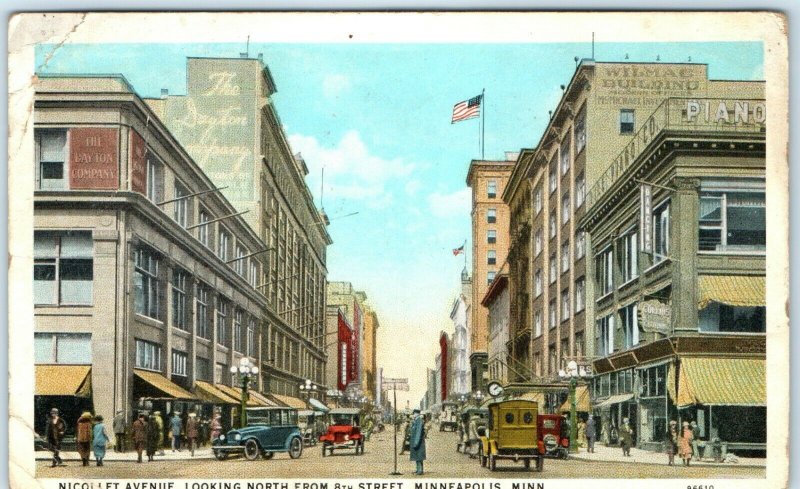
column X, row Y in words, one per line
column 583, row 403
column 163, row 385
column 732, row 290
column 236, row 393
column 719, row 382
column 262, row 399
column 63, row 380
column 290, row 401
column 611, row 400
column 209, row 392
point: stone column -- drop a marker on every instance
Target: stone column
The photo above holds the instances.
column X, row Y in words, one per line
column 683, row 243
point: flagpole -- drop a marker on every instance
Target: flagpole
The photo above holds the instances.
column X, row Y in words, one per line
column 483, row 122
column 465, row 253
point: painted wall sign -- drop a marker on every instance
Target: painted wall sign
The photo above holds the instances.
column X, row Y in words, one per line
column 94, row 158
column 646, row 218
column 138, row 163
column 727, row 111
column 655, row 316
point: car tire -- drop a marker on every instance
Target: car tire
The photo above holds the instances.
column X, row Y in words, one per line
column 295, row 448
column 324, row 450
column 251, row 449
column 268, row 455
column 480, row 455
column 492, row 463
column 539, row 463
column 527, row 463
column 220, row 455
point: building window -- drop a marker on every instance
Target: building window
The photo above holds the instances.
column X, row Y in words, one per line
column 202, row 230
column 653, row 382
column 629, row 257
column 490, row 277
column 67, row 348
column 222, row 316
column 146, row 287
column 605, row 272
column 605, row 331
column 201, row 317
column 722, row 318
column 580, row 131
column 630, row 325
column 565, row 208
column 732, row 221
column 51, row 153
column 580, row 295
column 565, row 258
column 537, row 200
column 491, row 189
column 179, row 363
column 552, row 223
column 552, row 313
column 491, row 257
column 661, row 233
column 553, row 268
column 565, row 304
column 63, row 268
column 155, row 179
column 537, row 242
column 565, row 156
column 552, row 362
column 239, row 264
column 626, row 121
column 203, row 369
column 237, row 330
column 180, row 317
column 224, row 243
column 580, row 245
column 537, row 283
column 491, row 216
column 580, row 190
column 220, row 371
column 253, row 277
column 491, row 236
column 181, row 214
column 537, row 323
column 251, row 338
column 148, row 355
column 553, row 177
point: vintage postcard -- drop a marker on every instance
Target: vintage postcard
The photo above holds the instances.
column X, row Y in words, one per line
column 474, row 250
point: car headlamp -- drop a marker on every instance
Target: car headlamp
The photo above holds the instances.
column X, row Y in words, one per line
column 237, row 436
column 222, row 437
column 346, row 437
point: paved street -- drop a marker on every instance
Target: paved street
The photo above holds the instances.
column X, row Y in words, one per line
column 443, row 462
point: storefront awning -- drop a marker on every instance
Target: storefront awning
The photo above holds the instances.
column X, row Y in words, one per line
column 208, row 392
column 719, row 381
column 262, row 399
column 733, row 290
column 318, row 405
column 164, row 388
column 582, row 402
column 64, row 380
column 236, row 393
column 290, row 401
column 613, row 400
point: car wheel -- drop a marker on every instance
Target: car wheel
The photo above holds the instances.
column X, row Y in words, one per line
column 251, row 450
column 295, row 448
column 492, row 463
column 324, row 450
column 220, row 454
column 361, row 447
column 527, row 463
column 269, row 455
column 480, row 455
column 539, row 463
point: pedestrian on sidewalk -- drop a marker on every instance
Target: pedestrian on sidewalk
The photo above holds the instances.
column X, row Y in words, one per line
column 581, row 434
column 671, row 441
column 139, row 429
column 417, row 441
column 406, row 435
column 685, row 444
column 119, row 426
column 591, row 433
column 695, row 439
column 151, row 441
column 216, row 426
column 175, row 426
column 626, row 437
column 83, row 436
column 160, row 424
column 99, row 440
column 191, row 431
column 54, row 433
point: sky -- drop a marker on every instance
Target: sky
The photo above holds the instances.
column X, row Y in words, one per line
column 376, row 117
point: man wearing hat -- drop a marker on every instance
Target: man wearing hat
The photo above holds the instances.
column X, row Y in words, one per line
column 54, row 433
column 175, row 427
column 626, row 437
column 591, row 433
column 671, row 441
column 417, row 441
column 192, row 426
column 119, row 426
column 139, row 430
column 159, row 426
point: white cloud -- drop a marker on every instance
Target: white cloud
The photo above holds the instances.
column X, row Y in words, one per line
column 334, row 85
column 451, row 205
column 351, row 170
column 413, row 186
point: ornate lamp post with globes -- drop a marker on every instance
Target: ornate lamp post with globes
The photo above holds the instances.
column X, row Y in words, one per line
column 247, row 372
column 573, row 373
column 308, row 389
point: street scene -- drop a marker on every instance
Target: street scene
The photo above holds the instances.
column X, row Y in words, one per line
column 269, row 259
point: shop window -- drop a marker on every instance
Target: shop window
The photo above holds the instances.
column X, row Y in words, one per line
column 630, row 325
column 63, row 268
column 180, row 316
column 629, row 257
column 51, row 155
column 605, row 330
column 626, row 121
column 66, row 348
column 652, row 381
column 732, row 221
column 146, row 284
column 148, row 355
column 722, row 318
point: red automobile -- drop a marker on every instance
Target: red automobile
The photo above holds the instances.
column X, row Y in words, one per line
column 344, row 432
column 554, row 435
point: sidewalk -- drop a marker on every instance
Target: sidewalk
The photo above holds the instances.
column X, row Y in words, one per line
column 603, row 453
column 129, row 456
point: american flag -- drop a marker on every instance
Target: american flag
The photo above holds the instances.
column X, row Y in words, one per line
column 468, row 109
column 458, row 251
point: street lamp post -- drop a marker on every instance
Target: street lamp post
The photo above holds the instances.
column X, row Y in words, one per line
column 573, row 373
column 308, row 388
column 247, row 372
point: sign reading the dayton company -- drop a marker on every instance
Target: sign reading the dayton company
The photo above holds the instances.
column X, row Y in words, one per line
column 655, row 316
column 94, row 158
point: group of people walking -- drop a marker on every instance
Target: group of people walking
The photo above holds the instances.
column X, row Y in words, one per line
column 90, row 435
column 683, row 442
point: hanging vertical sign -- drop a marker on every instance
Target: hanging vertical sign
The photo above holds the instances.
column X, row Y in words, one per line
column 646, row 218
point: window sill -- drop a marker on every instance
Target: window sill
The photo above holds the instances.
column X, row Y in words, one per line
column 727, row 333
column 148, row 320
column 604, row 297
column 204, row 341
column 733, row 252
column 628, row 283
column 655, row 266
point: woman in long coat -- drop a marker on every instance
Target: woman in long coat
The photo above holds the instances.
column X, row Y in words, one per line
column 417, row 441
column 100, row 440
column 151, row 442
column 685, row 443
column 671, row 441
column 83, row 436
column 139, row 429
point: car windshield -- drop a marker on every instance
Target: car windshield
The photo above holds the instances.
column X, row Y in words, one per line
column 271, row 417
column 346, row 419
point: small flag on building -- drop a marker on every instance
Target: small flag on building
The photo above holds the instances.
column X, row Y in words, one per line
column 468, row 109
column 458, row 251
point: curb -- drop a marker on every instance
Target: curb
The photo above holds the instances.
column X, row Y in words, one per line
column 697, row 464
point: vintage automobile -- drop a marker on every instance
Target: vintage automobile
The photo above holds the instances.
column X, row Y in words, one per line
column 311, row 426
column 344, row 431
column 511, row 434
column 448, row 416
column 269, row 430
column 554, row 433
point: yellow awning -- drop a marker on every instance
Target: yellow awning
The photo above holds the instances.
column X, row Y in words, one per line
column 236, row 393
column 615, row 399
column 208, row 392
column 163, row 384
column 534, row 396
column 582, row 402
column 290, row 401
column 262, row 399
column 733, row 290
column 63, row 380
column 720, row 381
